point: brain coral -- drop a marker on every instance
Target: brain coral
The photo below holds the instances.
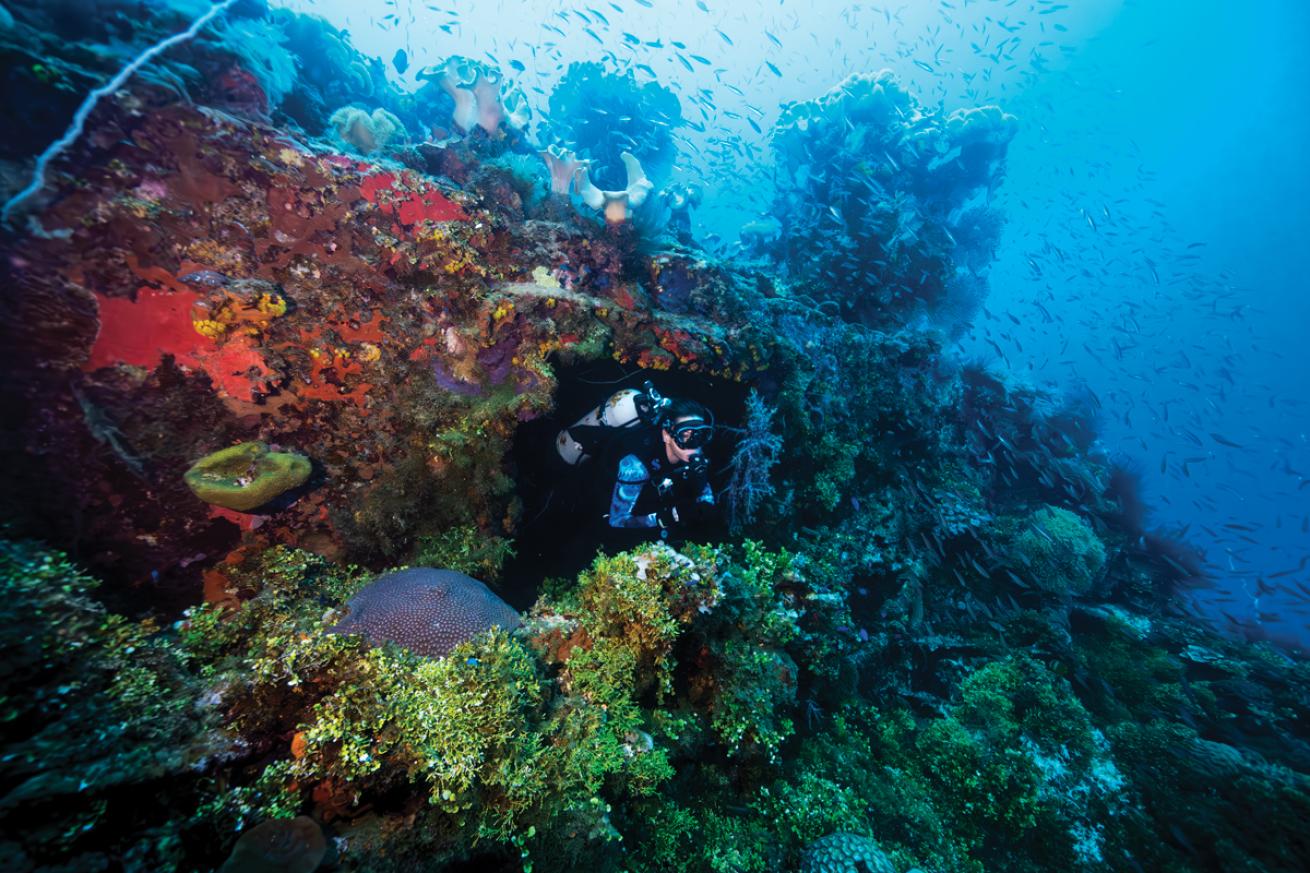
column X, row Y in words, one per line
column 425, row 610
column 1062, row 551
column 845, row 853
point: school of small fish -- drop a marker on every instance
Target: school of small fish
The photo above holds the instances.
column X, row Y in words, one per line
column 1099, row 290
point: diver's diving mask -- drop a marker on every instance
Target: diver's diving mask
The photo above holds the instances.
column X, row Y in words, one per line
column 692, row 433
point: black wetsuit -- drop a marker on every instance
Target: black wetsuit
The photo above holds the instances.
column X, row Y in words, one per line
column 649, row 491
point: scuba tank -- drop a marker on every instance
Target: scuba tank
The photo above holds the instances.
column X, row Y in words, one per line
column 622, row 410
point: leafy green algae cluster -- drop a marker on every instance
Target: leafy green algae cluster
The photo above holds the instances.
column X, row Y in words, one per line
column 667, row 710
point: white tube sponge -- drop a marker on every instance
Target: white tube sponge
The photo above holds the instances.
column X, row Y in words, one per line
column 564, row 168
column 456, row 79
column 79, row 118
column 618, row 205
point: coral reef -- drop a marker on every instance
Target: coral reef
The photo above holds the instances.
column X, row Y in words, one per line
column 399, row 337
column 883, row 203
column 936, row 636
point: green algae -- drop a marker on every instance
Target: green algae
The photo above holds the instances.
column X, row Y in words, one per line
column 246, row 476
column 563, row 743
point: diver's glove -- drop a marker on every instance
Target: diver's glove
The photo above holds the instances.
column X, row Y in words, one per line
column 703, row 510
column 697, row 469
column 669, row 518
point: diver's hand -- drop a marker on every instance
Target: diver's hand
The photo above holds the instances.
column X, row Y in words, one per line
column 669, row 518
column 702, row 511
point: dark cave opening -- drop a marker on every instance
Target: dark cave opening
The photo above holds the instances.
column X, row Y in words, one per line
column 562, row 525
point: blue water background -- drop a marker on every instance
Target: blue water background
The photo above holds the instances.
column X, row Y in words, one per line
column 1158, row 202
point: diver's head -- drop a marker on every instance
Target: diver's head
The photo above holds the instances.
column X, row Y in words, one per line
column 687, row 430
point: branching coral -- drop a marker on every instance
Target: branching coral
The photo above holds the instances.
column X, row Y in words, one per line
column 752, row 463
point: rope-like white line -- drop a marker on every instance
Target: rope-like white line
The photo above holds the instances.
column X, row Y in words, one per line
column 79, row 119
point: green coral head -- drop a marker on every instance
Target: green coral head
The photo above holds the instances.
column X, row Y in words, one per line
column 1062, row 550
column 845, row 853
column 246, row 476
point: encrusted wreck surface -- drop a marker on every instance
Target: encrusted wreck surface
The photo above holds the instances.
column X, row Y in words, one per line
column 206, row 280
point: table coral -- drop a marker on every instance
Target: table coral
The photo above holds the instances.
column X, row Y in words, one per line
column 246, row 476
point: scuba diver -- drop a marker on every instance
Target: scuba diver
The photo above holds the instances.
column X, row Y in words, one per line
column 662, row 480
column 670, row 487
column 680, row 200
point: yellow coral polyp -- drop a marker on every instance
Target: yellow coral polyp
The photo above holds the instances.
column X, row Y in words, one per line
column 209, row 328
column 272, row 305
column 369, row 352
column 502, row 310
